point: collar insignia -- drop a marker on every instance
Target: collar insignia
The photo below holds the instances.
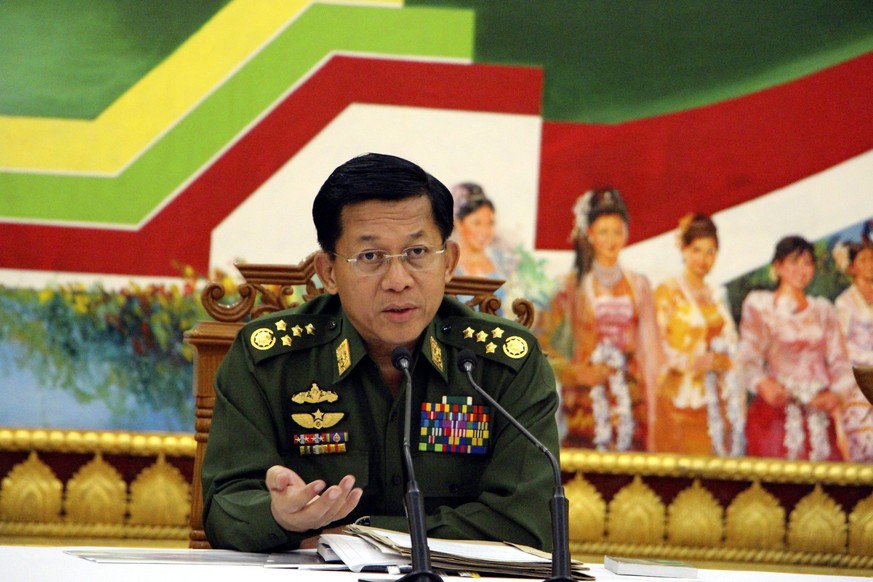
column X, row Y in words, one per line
column 343, row 357
column 436, row 354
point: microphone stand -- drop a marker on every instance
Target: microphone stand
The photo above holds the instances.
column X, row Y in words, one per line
column 558, row 505
column 421, row 568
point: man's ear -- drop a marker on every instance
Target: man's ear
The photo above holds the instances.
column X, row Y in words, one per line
column 324, row 268
column 453, row 255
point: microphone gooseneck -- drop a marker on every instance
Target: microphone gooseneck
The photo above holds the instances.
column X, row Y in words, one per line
column 401, row 359
column 558, row 505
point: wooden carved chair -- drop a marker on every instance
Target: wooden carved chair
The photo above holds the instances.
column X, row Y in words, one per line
column 269, row 288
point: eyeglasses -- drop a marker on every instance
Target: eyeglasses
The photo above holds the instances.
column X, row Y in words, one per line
column 375, row 262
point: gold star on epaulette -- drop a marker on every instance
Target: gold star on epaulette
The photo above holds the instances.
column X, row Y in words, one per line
column 310, row 329
column 481, row 337
column 490, row 348
column 497, row 332
column 286, row 340
column 281, row 325
column 468, row 333
column 297, row 331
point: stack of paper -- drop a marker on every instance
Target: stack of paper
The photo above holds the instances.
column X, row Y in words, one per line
column 468, row 556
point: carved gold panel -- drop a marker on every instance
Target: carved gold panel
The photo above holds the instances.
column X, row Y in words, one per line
column 587, row 510
column 861, row 527
column 636, row 515
column 96, row 494
column 159, row 496
column 695, row 518
column 31, row 492
column 817, row 524
column 755, row 519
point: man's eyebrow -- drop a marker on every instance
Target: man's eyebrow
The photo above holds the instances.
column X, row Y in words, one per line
column 375, row 238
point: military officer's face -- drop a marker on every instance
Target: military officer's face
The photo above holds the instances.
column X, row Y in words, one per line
column 389, row 302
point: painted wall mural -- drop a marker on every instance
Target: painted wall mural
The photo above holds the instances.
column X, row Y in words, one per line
column 146, row 147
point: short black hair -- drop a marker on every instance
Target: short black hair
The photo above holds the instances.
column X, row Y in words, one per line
column 379, row 177
column 792, row 245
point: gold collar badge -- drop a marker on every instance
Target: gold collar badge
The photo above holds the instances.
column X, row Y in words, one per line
column 436, row 353
column 343, row 357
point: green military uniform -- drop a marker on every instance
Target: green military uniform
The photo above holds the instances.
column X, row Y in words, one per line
column 297, row 389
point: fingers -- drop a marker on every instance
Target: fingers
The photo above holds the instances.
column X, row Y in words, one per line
column 299, row 507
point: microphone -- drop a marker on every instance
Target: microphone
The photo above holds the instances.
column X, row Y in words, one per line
column 401, row 358
column 558, row 505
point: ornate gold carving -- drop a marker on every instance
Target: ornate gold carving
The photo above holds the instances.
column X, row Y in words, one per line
column 117, row 443
column 861, row 528
column 587, row 510
column 96, row 494
column 159, row 496
column 31, row 492
column 817, row 524
column 707, row 467
column 636, row 514
column 755, row 520
column 695, row 518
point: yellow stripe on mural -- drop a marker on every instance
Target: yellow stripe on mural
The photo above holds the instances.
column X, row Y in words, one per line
column 105, row 145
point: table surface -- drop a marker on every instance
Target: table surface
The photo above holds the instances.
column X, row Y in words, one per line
column 50, row 564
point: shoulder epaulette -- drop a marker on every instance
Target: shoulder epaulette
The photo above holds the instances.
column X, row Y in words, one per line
column 282, row 333
column 491, row 338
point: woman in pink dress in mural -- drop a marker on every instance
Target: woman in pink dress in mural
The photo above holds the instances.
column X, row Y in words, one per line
column 855, row 311
column 699, row 406
column 601, row 335
column 793, row 358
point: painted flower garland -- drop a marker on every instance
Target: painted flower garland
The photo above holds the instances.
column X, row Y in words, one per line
column 606, row 353
column 817, row 422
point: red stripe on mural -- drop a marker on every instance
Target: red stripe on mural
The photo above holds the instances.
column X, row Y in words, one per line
column 180, row 233
column 707, row 159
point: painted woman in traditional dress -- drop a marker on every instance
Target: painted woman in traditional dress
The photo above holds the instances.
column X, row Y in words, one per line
column 601, row 335
column 793, row 358
column 855, row 312
column 474, row 233
column 699, row 408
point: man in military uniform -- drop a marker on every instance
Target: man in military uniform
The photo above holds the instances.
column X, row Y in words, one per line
column 308, row 420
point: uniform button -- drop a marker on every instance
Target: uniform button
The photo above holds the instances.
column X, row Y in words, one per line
column 331, row 324
column 396, row 479
column 447, row 327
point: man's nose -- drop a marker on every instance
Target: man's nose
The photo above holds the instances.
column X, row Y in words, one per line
column 397, row 277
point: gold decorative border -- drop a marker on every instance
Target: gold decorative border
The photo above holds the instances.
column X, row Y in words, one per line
column 706, row 467
column 88, row 441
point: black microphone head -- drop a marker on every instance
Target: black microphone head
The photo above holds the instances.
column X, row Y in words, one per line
column 401, row 357
column 466, row 360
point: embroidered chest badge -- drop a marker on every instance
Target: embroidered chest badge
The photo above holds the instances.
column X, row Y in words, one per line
column 455, row 425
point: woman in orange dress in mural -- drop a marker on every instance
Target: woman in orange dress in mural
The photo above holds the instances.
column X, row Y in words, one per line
column 601, row 335
column 793, row 357
column 855, row 312
column 699, row 407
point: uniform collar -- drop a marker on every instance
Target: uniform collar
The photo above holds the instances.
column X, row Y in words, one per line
column 350, row 348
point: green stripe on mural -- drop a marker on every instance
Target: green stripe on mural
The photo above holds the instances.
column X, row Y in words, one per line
column 609, row 61
column 72, row 59
column 323, row 28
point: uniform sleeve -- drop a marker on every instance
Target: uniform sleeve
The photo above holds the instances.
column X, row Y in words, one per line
column 242, row 446
column 513, row 503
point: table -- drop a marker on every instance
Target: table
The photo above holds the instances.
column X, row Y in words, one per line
column 51, row 564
